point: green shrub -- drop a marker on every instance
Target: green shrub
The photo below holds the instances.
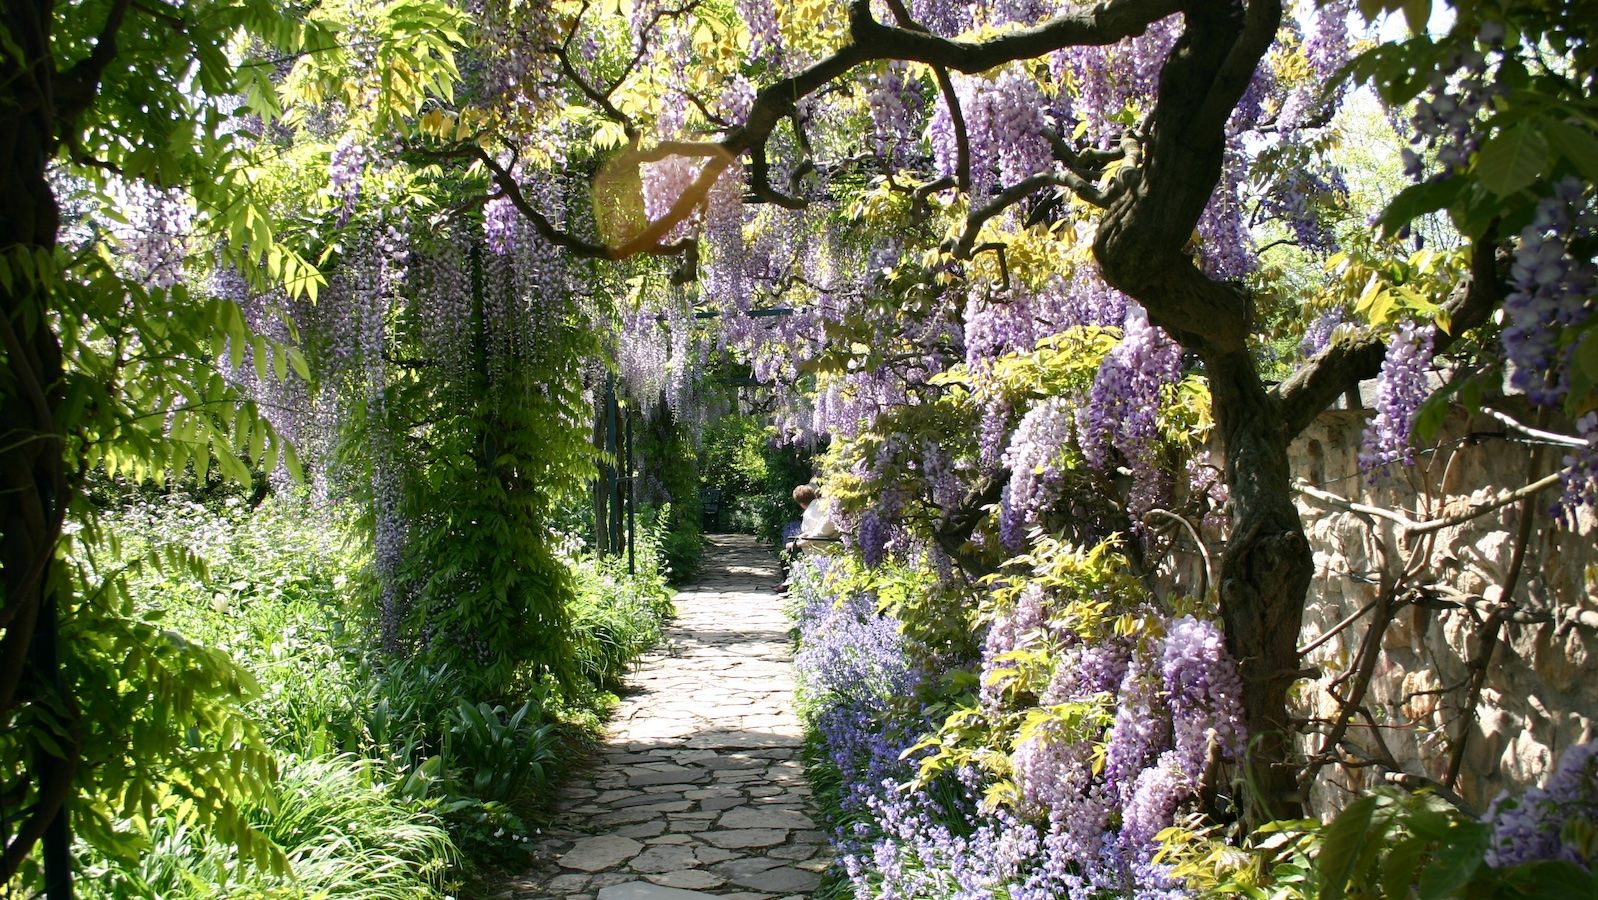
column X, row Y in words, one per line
column 498, row 755
column 405, row 739
column 681, row 539
column 1386, row 843
column 756, row 475
column 733, row 456
column 615, row 617
column 669, row 462
column 347, row 828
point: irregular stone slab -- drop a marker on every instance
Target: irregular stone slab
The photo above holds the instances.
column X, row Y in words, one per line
column 696, row 879
column 626, row 817
column 642, row 829
column 644, row 890
column 708, row 855
column 641, row 800
column 778, row 880
column 732, row 762
column 739, row 777
column 817, row 865
column 728, row 740
column 742, row 840
column 746, row 817
column 664, row 858
column 563, row 885
column 738, row 869
column 600, row 852
column 668, row 806
column 707, row 793
column 677, row 775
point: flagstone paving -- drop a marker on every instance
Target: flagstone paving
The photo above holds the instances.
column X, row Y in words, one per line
column 698, row 789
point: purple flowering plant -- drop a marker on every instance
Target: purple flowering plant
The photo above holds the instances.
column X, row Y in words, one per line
column 1050, row 766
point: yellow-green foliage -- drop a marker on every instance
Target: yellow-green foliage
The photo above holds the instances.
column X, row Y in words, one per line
column 1091, row 592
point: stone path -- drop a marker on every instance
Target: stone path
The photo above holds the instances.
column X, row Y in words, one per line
column 699, row 790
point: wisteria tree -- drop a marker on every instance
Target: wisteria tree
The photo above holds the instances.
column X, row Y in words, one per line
column 1021, row 169
column 1021, row 263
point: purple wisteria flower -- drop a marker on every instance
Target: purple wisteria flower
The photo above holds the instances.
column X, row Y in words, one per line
column 500, row 221
column 1318, row 336
column 344, row 167
column 1400, row 390
column 1123, row 407
column 1544, row 822
column 1079, row 829
column 1552, row 291
column 1036, row 475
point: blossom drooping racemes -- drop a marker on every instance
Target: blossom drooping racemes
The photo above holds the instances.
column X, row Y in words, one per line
column 1318, row 336
column 1123, row 406
column 873, row 536
column 1036, row 474
column 344, row 167
column 1400, row 389
column 1552, row 290
column 500, row 221
column 1004, row 130
column 1580, row 475
column 1546, row 823
column 1205, row 691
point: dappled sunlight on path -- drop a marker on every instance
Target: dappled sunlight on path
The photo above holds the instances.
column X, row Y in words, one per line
column 699, row 786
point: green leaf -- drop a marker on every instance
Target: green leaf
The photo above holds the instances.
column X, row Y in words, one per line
column 1418, row 200
column 1456, row 862
column 1550, row 880
column 1401, row 865
column 1514, row 158
column 1576, row 144
column 1416, row 15
column 1430, row 417
column 1345, row 846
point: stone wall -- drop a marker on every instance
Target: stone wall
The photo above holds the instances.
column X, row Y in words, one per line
column 1540, row 693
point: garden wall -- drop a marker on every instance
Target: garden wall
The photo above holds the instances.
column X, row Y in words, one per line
column 1540, row 691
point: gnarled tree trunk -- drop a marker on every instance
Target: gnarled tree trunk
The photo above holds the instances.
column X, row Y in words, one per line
column 34, row 488
column 1142, row 248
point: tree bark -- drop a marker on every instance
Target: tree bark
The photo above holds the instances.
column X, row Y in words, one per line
column 33, row 476
column 1265, row 574
column 1142, row 249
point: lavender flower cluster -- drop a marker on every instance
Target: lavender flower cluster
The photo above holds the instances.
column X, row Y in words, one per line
column 1004, row 130
column 1553, row 290
column 1079, row 829
column 1318, row 336
column 1123, row 408
column 854, row 667
column 1035, row 471
column 1400, row 389
column 155, row 236
column 1547, row 822
column 344, row 167
column 1447, row 115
